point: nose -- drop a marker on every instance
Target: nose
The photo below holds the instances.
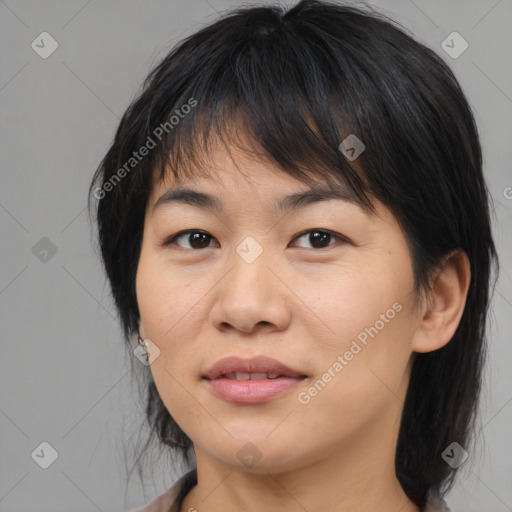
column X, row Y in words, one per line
column 252, row 297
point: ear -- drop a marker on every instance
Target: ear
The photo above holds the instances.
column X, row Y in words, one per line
column 440, row 314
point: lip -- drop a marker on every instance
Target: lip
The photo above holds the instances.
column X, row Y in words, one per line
column 251, row 391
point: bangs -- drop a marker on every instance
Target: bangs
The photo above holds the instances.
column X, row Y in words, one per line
column 274, row 98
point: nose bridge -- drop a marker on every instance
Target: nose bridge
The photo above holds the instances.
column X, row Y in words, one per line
column 249, row 263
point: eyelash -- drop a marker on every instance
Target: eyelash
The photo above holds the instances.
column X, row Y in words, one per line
column 171, row 240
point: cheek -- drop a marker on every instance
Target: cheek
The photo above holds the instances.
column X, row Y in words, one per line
column 170, row 311
column 166, row 306
column 368, row 309
column 352, row 296
column 360, row 371
column 166, row 299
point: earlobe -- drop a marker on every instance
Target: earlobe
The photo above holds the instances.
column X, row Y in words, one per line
column 442, row 312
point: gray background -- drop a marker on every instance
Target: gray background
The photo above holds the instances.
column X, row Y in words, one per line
column 64, row 375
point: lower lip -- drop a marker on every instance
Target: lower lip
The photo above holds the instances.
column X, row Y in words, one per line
column 252, row 391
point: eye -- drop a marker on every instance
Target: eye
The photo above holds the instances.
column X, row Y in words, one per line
column 197, row 239
column 319, row 238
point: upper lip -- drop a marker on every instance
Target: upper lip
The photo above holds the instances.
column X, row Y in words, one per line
column 260, row 364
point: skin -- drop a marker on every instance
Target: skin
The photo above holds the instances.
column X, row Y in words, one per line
column 301, row 305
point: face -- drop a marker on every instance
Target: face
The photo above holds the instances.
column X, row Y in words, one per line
column 324, row 288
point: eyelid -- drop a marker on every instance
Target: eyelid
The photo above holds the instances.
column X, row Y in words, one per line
column 172, row 238
column 334, row 234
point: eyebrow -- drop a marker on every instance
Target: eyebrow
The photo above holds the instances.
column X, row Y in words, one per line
column 285, row 204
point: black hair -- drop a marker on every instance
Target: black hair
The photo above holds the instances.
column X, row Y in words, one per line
column 296, row 82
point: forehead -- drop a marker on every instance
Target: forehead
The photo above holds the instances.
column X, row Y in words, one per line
column 226, row 169
column 226, row 159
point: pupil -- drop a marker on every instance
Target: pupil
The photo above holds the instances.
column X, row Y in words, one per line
column 196, row 237
column 321, row 238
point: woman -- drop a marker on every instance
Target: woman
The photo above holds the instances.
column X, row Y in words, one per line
column 295, row 225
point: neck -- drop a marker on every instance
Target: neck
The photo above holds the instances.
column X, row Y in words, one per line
column 234, row 491
column 350, row 479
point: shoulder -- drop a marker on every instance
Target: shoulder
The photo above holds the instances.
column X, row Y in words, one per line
column 169, row 500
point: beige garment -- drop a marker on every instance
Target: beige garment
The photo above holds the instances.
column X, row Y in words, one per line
column 165, row 501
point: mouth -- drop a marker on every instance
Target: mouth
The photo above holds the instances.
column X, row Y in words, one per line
column 253, row 376
column 256, row 368
column 251, row 381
